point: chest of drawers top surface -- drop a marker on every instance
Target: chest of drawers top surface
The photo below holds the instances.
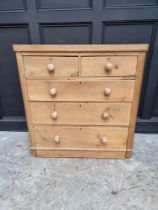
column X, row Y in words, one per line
column 81, row 100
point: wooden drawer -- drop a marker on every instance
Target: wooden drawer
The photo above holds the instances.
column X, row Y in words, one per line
column 103, row 66
column 50, row 67
column 81, row 138
column 81, row 113
column 46, row 90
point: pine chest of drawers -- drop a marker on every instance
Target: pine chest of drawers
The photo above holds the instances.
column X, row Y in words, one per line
column 81, row 100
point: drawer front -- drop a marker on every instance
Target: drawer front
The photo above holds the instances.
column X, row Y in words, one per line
column 50, row 67
column 93, row 138
column 81, row 113
column 109, row 66
column 119, row 91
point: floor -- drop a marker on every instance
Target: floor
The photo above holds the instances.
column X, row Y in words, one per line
column 28, row 183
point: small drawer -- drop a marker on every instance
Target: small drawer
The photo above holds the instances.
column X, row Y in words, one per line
column 114, row 66
column 81, row 113
column 50, row 67
column 109, row 90
column 80, row 138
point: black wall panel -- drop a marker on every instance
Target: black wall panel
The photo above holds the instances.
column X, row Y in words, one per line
column 76, row 22
column 7, row 5
column 127, row 32
column 62, row 4
column 60, row 33
column 130, row 3
column 149, row 92
column 155, row 108
column 10, row 94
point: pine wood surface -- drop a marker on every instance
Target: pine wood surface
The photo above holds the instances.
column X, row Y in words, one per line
column 121, row 90
column 81, row 48
column 85, row 137
column 79, row 79
column 81, row 113
column 123, row 66
column 36, row 66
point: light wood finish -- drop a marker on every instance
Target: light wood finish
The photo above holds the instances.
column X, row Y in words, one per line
column 79, row 153
column 81, row 113
column 121, row 91
column 80, row 137
column 26, row 103
column 38, row 67
column 100, row 66
column 82, row 48
column 135, row 103
column 81, row 100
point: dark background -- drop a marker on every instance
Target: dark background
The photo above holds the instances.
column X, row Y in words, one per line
column 79, row 22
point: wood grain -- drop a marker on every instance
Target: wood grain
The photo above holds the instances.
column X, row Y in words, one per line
column 81, row 137
column 26, row 102
column 135, row 103
column 80, row 153
column 96, row 66
column 81, row 113
column 82, row 48
column 36, row 66
column 121, row 90
column 80, row 79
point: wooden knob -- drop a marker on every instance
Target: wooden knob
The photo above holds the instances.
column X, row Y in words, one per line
column 107, row 91
column 54, row 115
column 56, row 139
column 104, row 140
column 53, row 91
column 50, row 67
column 109, row 67
column 105, row 115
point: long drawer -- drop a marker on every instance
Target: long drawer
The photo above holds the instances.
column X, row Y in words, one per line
column 80, row 138
column 113, row 90
column 51, row 67
column 103, row 66
column 81, row 113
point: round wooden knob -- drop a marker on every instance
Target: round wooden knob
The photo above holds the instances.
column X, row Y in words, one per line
column 54, row 115
column 53, row 91
column 107, row 91
column 50, row 67
column 105, row 115
column 56, row 139
column 104, row 140
column 109, row 67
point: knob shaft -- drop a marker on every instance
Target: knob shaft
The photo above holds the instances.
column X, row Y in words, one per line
column 104, row 140
column 109, row 67
column 50, row 67
column 53, row 91
column 107, row 91
column 54, row 115
column 105, row 115
column 56, row 139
